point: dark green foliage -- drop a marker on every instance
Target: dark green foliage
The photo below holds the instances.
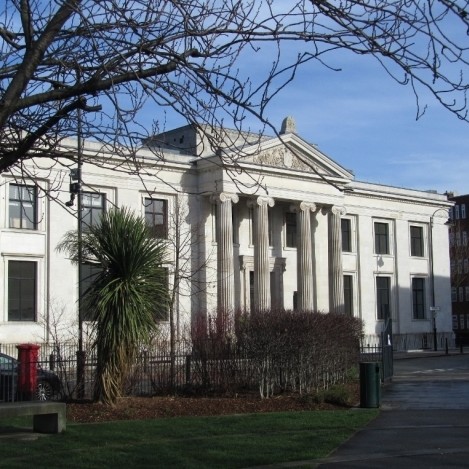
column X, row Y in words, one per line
column 124, row 296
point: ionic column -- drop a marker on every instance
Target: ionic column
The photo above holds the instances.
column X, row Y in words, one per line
column 336, row 278
column 304, row 256
column 225, row 267
column 261, row 252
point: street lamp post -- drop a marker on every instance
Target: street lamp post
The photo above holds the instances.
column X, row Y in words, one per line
column 433, row 308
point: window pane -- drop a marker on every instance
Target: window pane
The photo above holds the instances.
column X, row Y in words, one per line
column 290, row 222
column 156, row 217
column 418, row 298
column 348, row 295
column 22, row 207
column 416, row 241
column 346, row 235
column 92, row 206
column 21, row 291
column 88, row 274
column 381, row 238
column 383, row 297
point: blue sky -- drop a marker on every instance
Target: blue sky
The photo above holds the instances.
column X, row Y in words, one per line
column 365, row 121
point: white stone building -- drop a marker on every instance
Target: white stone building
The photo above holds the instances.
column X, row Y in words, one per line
column 277, row 224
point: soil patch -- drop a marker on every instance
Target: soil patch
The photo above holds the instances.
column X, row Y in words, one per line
column 137, row 408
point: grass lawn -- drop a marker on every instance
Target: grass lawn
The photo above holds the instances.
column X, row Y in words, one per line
column 234, row 441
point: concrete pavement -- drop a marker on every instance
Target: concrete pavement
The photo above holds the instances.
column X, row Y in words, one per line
column 424, row 422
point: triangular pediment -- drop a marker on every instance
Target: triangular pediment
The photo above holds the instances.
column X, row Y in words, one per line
column 293, row 153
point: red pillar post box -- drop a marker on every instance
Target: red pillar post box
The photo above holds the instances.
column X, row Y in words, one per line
column 27, row 370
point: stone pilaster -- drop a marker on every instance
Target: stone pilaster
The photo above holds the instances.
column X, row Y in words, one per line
column 225, row 267
column 304, row 256
column 261, row 252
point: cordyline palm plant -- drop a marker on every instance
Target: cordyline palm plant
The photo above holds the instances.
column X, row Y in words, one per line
column 125, row 296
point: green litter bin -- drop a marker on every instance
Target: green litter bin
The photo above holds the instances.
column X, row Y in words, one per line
column 370, row 384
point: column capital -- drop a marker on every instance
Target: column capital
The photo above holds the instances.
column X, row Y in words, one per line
column 333, row 209
column 221, row 197
column 261, row 201
column 303, row 207
column 338, row 210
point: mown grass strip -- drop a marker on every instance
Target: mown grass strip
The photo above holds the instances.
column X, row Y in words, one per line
column 191, row 442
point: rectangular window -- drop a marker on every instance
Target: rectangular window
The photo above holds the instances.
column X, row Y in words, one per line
column 467, row 293
column 461, row 294
column 381, row 238
column 92, row 206
column 454, row 294
column 463, row 210
column 456, row 212
column 156, row 217
column 460, row 266
column 466, row 266
column 418, row 298
column 23, row 207
column 416, row 241
column 383, row 297
column 455, row 322
column 348, row 295
column 22, row 280
column 346, row 227
column 464, row 238
column 290, row 229
column 88, row 275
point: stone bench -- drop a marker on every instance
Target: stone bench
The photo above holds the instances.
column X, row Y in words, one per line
column 48, row 417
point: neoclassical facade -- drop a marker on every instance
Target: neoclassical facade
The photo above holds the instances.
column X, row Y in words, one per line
column 254, row 222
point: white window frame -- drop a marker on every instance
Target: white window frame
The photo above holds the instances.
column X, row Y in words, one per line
column 40, row 286
column 390, row 236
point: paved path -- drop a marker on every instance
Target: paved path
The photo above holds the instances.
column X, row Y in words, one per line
column 424, row 421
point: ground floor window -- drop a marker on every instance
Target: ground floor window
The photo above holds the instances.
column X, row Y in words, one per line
column 22, row 286
column 418, row 298
column 383, row 297
column 88, row 275
column 348, row 295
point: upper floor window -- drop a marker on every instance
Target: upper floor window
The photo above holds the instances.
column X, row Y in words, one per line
column 416, row 241
column 290, row 229
column 23, row 206
column 92, row 206
column 418, row 298
column 156, row 217
column 463, row 210
column 22, row 280
column 381, row 238
column 346, row 227
column 456, row 212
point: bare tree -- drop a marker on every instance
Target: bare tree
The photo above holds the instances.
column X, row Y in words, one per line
column 99, row 65
column 189, row 270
